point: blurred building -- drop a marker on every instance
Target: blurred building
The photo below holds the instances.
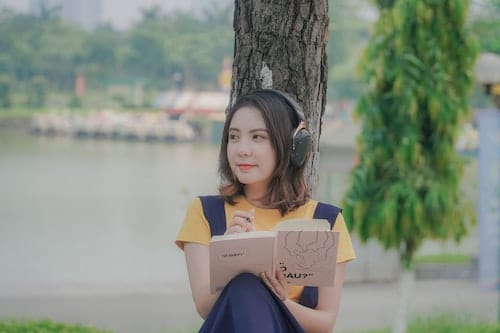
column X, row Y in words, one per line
column 86, row 13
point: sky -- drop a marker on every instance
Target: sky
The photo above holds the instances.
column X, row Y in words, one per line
column 121, row 13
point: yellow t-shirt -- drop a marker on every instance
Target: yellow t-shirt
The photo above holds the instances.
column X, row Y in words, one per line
column 196, row 229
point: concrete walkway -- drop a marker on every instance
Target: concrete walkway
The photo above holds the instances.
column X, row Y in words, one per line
column 364, row 306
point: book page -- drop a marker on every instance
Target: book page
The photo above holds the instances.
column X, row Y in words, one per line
column 230, row 257
column 307, row 258
column 303, row 224
column 244, row 235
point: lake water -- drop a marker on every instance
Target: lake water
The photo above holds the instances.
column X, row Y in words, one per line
column 79, row 212
column 83, row 215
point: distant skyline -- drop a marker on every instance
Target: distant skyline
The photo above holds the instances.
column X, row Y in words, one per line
column 121, row 13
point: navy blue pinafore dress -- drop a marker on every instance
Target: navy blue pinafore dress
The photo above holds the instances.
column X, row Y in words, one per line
column 247, row 305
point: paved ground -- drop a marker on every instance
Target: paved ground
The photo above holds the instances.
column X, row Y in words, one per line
column 364, row 306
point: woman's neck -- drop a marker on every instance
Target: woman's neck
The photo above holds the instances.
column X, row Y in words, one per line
column 257, row 203
column 254, row 197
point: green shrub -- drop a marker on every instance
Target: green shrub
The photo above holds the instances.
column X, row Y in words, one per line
column 446, row 323
column 46, row 326
column 452, row 324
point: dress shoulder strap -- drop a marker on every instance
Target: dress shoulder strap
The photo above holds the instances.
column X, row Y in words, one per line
column 213, row 209
column 327, row 212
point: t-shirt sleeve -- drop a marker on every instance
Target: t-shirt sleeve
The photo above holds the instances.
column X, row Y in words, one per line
column 195, row 227
column 345, row 250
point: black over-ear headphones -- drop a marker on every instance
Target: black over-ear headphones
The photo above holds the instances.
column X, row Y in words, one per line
column 301, row 138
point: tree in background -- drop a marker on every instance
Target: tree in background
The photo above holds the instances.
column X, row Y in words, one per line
column 405, row 188
column 37, row 91
column 153, row 50
column 60, row 53
column 6, row 74
column 18, row 40
column 101, row 56
column 486, row 26
column 198, row 46
column 349, row 29
column 282, row 45
column 5, row 91
column 147, row 55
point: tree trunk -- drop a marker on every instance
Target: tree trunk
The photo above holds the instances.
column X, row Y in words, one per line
column 406, row 290
column 281, row 44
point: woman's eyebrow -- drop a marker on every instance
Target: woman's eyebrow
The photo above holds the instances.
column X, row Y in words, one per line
column 252, row 130
column 259, row 130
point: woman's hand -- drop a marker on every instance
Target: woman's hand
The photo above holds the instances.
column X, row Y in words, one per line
column 242, row 221
column 277, row 282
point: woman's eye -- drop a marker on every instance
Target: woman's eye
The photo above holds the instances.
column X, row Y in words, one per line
column 232, row 137
column 259, row 137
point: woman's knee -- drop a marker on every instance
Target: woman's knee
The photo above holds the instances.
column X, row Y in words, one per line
column 245, row 280
column 247, row 286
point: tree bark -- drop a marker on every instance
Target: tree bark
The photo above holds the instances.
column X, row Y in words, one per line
column 403, row 310
column 281, row 44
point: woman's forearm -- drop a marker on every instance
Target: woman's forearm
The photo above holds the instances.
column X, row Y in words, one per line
column 204, row 304
column 321, row 319
column 313, row 321
column 197, row 259
column 203, row 299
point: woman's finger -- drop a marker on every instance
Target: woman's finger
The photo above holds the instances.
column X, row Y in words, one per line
column 279, row 289
column 234, row 229
column 244, row 219
column 274, row 282
column 241, row 222
column 245, row 215
column 281, row 278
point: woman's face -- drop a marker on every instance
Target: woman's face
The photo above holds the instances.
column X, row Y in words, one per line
column 250, row 153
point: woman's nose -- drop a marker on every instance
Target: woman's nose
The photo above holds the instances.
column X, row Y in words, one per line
column 244, row 148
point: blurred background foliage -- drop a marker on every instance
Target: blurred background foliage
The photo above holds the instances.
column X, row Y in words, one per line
column 40, row 56
column 419, row 68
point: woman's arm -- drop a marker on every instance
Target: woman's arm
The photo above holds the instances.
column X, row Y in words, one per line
column 198, row 259
column 321, row 319
column 197, row 262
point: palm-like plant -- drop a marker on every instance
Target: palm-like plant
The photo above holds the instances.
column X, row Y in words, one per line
column 406, row 187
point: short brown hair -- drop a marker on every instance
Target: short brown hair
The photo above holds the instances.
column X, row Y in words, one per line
column 288, row 189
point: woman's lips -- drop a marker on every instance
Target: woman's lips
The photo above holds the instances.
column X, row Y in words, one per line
column 245, row 167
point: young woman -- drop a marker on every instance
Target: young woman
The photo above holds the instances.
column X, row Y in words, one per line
column 264, row 149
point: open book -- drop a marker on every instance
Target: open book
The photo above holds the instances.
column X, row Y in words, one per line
column 304, row 250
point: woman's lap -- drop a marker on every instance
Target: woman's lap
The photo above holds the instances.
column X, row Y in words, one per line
column 246, row 305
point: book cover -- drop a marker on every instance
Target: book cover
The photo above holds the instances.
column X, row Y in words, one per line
column 304, row 250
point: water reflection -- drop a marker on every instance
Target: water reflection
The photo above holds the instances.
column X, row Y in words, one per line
column 80, row 212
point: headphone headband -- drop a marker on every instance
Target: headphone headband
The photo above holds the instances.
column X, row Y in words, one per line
column 291, row 103
column 301, row 138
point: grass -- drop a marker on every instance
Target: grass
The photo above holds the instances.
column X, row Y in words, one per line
column 46, row 326
column 444, row 259
column 445, row 323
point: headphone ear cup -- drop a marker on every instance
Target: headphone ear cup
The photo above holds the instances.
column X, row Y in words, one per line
column 300, row 147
